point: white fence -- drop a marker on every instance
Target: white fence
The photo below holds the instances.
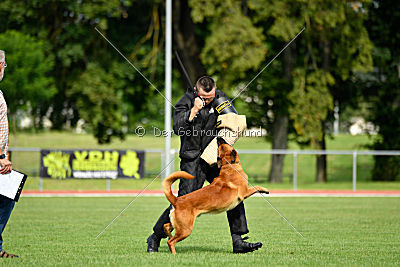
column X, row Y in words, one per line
column 294, row 153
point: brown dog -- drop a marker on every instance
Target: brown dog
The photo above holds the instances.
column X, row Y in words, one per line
column 223, row 194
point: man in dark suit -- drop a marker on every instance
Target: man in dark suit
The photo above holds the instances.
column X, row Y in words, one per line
column 195, row 122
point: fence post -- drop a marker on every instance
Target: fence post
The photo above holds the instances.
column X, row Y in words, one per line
column 162, row 167
column 172, row 167
column 108, row 184
column 354, row 170
column 295, row 171
column 41, row 184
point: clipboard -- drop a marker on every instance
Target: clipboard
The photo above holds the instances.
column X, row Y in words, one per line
column 11, row 184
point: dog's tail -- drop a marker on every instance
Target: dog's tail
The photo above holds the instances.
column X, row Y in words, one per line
column 170, row 180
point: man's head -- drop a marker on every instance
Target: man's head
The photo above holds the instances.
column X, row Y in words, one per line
column 205, row 87
column 3, row 64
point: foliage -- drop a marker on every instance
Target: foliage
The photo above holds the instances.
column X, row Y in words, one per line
column 233, row 46
column 334, row 45
column 99, row 102
column 79, row 52
column 301, row 83
column 382, row 86
column 54, row 55
column 27, row 83
column 311, row 101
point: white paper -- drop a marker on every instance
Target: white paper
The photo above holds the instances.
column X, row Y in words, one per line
column 9, row 183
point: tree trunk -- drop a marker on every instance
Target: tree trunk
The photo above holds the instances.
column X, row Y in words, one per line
column 281, row 123
column 185, row 41
column 321, row 175
column 279, row 141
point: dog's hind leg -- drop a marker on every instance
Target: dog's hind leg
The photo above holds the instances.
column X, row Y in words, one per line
column 168, row 228
column 253, row 189
column 179, row 236
column 183, row 228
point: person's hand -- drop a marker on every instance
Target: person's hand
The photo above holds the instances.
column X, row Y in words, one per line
column 6, row 166
column 198, row 104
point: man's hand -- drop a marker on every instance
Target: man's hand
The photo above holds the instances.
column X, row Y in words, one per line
column 6, row 166
column 198, row 105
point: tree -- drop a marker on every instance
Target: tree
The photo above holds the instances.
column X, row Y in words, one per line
column 187, row 41
column 27, row 84
column 334, row 45
column 67, row 29
column 381, row 87
column 99, row 102
column 233, row 46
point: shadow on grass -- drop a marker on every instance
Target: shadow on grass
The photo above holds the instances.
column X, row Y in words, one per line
column 195, row 249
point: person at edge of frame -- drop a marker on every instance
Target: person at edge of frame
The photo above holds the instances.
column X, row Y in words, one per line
column 194, row 119
column 6, row 204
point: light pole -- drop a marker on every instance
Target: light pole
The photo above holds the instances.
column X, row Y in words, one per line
column 168, row 75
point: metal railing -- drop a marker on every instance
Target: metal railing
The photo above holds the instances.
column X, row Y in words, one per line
column 294, row 153
column 108, row 183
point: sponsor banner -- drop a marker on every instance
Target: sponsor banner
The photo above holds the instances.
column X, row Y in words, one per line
column 90, row 163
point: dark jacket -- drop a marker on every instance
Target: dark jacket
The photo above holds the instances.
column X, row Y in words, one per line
column 197, row 134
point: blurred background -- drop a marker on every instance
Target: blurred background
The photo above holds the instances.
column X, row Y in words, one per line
column 336, row 87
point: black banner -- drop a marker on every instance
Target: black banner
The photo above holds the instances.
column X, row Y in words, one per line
column 91, row 163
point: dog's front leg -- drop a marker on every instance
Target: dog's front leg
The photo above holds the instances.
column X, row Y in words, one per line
column 253, row 189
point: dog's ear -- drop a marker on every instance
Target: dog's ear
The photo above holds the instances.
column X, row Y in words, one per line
column 219, row 162
column 233, row 156
column 220, row 141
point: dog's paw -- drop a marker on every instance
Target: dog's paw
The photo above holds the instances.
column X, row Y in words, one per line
column 263, row 191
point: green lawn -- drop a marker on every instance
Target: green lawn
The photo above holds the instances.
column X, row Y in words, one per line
column 338, row 231
column 256, row 166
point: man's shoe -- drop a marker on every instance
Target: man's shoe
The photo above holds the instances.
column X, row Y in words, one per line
column 153, row 243
column 240, row 246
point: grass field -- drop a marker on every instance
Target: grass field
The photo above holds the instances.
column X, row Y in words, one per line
column 256, row 166
column 338, row 231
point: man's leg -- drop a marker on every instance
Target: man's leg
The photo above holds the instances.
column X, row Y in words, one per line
column 153, row 241
column 159, row 226
column 194, row 168
column 6, row 206
column 238, row 226
column 237, row 220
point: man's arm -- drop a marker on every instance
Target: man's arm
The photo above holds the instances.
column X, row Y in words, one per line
column 184, row 115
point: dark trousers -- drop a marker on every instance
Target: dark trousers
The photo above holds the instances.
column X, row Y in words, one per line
column 202, row 172
column 6, row 206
